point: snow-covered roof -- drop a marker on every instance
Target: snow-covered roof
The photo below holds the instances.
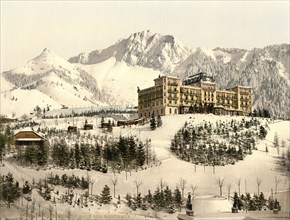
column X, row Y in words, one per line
column 28, row 135
column 29, row 139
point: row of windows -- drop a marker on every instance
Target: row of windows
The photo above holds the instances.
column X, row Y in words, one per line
column 148, row 114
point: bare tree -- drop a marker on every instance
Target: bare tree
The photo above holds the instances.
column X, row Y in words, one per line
column 277, row 181
column 68, row 214
column 193, row 188
column 42, row 214
column 26, row 211
column 276, row 143
column 183, row 185
column 238, row 181
column 162, row 184
column 259, row 181
column 39, row 205
column 138, row 183
column 50, row 209
column 220, row 183
column 32, row 209
column 114, row 181
column 229, row 186
column 91, row 182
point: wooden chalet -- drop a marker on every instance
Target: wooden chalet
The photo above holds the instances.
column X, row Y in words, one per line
column 88, row 126
column 28, row 138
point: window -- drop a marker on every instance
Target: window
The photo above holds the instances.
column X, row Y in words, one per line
column 175, row 111
column 169, row 110
column 161, row 111
column 141, row 115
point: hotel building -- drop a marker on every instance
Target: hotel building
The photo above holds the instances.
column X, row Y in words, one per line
column 196, row 94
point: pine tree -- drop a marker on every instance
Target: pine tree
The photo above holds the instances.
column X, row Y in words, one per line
column 60, row 154
column 236, row 200
column 129, row 200
column 2, row 145
column 139, row 200
column 110, row 127
column 9, row 190
column 77, row 155
column 262, row 200
column 168, row 199
column 263, row 132
column 152, row 123
column 140, row 154
column 42, row 154
column 149, row 197
column 157, row 199
column 105, row 195
column 177, row 198
column 159, row 121
column 132, row 148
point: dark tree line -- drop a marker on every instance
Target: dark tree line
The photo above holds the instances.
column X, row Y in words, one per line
column 123, row 154
column 68, row 181
column 160, row 199
column 257, row 202
column 92, row 113
column 265, row 113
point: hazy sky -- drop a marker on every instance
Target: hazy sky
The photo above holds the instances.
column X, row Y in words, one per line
column 68, row 28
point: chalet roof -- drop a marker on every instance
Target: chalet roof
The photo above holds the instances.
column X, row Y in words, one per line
column 28, row 136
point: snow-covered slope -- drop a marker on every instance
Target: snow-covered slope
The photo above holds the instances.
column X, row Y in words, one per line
column 118, row 81
column 5, row 85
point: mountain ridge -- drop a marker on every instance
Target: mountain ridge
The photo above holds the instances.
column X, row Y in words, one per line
column 266, row 69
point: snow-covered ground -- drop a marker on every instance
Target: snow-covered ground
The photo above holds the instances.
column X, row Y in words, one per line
column 171, row 170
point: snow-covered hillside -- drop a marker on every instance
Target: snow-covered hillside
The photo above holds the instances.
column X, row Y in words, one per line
column 118, row 81
column 172, row 169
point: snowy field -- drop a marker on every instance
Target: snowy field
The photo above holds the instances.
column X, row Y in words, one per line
column 172, row 169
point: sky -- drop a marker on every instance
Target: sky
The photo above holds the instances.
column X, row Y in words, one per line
column 70, row 27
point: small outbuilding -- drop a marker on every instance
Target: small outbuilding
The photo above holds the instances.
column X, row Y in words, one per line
column 88, row 126
column 72, row 129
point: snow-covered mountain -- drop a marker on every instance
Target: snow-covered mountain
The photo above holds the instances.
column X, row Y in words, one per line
column 266, row 70
column 112, row 75
column 140, row 49
column 47, row 81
